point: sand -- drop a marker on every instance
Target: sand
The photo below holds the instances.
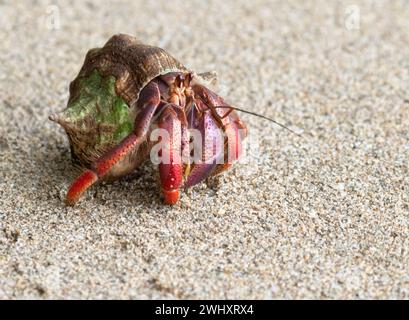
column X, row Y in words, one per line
column 323, row 216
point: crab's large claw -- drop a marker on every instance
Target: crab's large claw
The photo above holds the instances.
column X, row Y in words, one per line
column 171, row 167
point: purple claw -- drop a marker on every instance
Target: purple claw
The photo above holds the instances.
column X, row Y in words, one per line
column 212, row 148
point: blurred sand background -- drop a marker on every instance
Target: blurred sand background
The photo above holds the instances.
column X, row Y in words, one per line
column 325, row 216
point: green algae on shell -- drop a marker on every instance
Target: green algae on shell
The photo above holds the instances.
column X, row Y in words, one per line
column 96, row 113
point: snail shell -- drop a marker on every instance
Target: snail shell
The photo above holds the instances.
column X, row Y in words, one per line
column 103, row 97
column 132, row 63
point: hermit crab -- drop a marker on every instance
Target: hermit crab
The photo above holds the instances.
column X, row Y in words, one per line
column 125, row 92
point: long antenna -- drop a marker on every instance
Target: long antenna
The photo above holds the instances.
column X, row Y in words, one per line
column 261, row 116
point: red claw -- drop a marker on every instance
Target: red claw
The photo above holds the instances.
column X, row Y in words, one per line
column 171, row 197
column 171, row 169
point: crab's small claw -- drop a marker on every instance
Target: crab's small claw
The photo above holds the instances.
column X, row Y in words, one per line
column 234, row 129
column 212, row 149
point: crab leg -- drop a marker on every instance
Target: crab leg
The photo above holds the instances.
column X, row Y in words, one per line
column 171, row 167
column 150, row 98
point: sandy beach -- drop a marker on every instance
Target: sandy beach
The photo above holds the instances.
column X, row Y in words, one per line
column 323, row 216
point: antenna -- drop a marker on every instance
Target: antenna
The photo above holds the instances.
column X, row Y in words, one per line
column 261, row 116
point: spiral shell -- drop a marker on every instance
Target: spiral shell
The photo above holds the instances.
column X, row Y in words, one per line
column 132, row 63
column 103, row 97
